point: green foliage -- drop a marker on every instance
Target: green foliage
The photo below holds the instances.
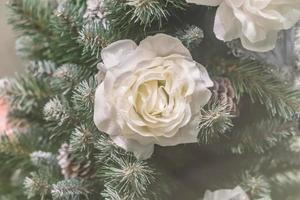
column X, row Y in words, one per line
column 43, row 159
column 36, row 185
column 134, row 16
column 31, row 16
column 106, row 149
column 41, row 68
column 83, row 98
column 81, row 140
column 69, row 189
column 257, row 187
column 27, row 92
column 57, row 32
column 261, row 136
column 253, row 79
column 214, row 120
column 94, row 37
column 286, row 184
column 54, row 110
column 56, row 98
column 191, row 36
column 128, row 177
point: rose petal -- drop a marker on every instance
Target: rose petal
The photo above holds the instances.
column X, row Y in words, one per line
column 140, row 151
column 112, row 54
column 163, row 45
column 226, row 26
column 206, row 2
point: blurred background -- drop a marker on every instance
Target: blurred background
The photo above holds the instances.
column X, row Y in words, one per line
column 9, row 62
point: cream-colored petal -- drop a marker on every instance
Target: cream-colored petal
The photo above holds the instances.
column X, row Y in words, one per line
column 164, row 45
column 185, row 135
column 262, row 46
column 104, row 113
column 226, row 27
column 206, row 2
column 140, row 151
column 113, row 53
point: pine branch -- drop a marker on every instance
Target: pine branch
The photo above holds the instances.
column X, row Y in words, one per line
column 12, row 146
column 261, row 136
column 251, row 78
column 94, row 36
column 284, row 156
column 257, row 187
column 71, row 189
column 191, row 36
column 60, row 32
column 36, row 185
column 131, row 18
column 41, row 68
column 129, row 177
column 26, row 93
column 111, row 194
column 285, row 184
column 32, row 47
column 81, row 141
column 31, row 16
column 56, row 111
column 66, row 26
column 214, row 120
column 105, row 148
column 66, row 77
column 83, row 99
column 44, row 160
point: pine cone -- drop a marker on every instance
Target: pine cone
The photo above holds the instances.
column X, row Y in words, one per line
column 223, row 92
column 70, row 167
column 95, row 9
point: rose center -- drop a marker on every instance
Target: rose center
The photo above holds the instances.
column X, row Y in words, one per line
column 152, row 98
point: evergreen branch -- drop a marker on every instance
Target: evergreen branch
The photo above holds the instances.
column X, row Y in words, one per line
column 129, row 177
column 68, row 76
column 43, row 159
column 55, row 110
column 66, row 27
column 83, row 98
column 251, row 78
column 261, row 136
column 36, row 185
column 131, row 18
column 20, row 143
column 32, row 47
column 105, row 148
column 94, row 37
column 215, row 120
column 26, row 93
column 60, row 32
column 71, row 189
column 31, row 16
column 284, row 156
column 41, row 68
column 81, row 141
column 111, row 194
column 11, row 146
column 285, row 184
column 191, row 36
column 257, row 187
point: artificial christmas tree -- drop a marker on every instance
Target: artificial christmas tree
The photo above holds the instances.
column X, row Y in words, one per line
column 153, row 99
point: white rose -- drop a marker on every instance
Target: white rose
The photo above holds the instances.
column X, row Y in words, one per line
column 255, row 22
column 236, row 194
column 151, row 94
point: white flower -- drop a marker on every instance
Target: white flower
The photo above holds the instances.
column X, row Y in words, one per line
column 151, row 94
column 255, row 22
column 235, row 194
